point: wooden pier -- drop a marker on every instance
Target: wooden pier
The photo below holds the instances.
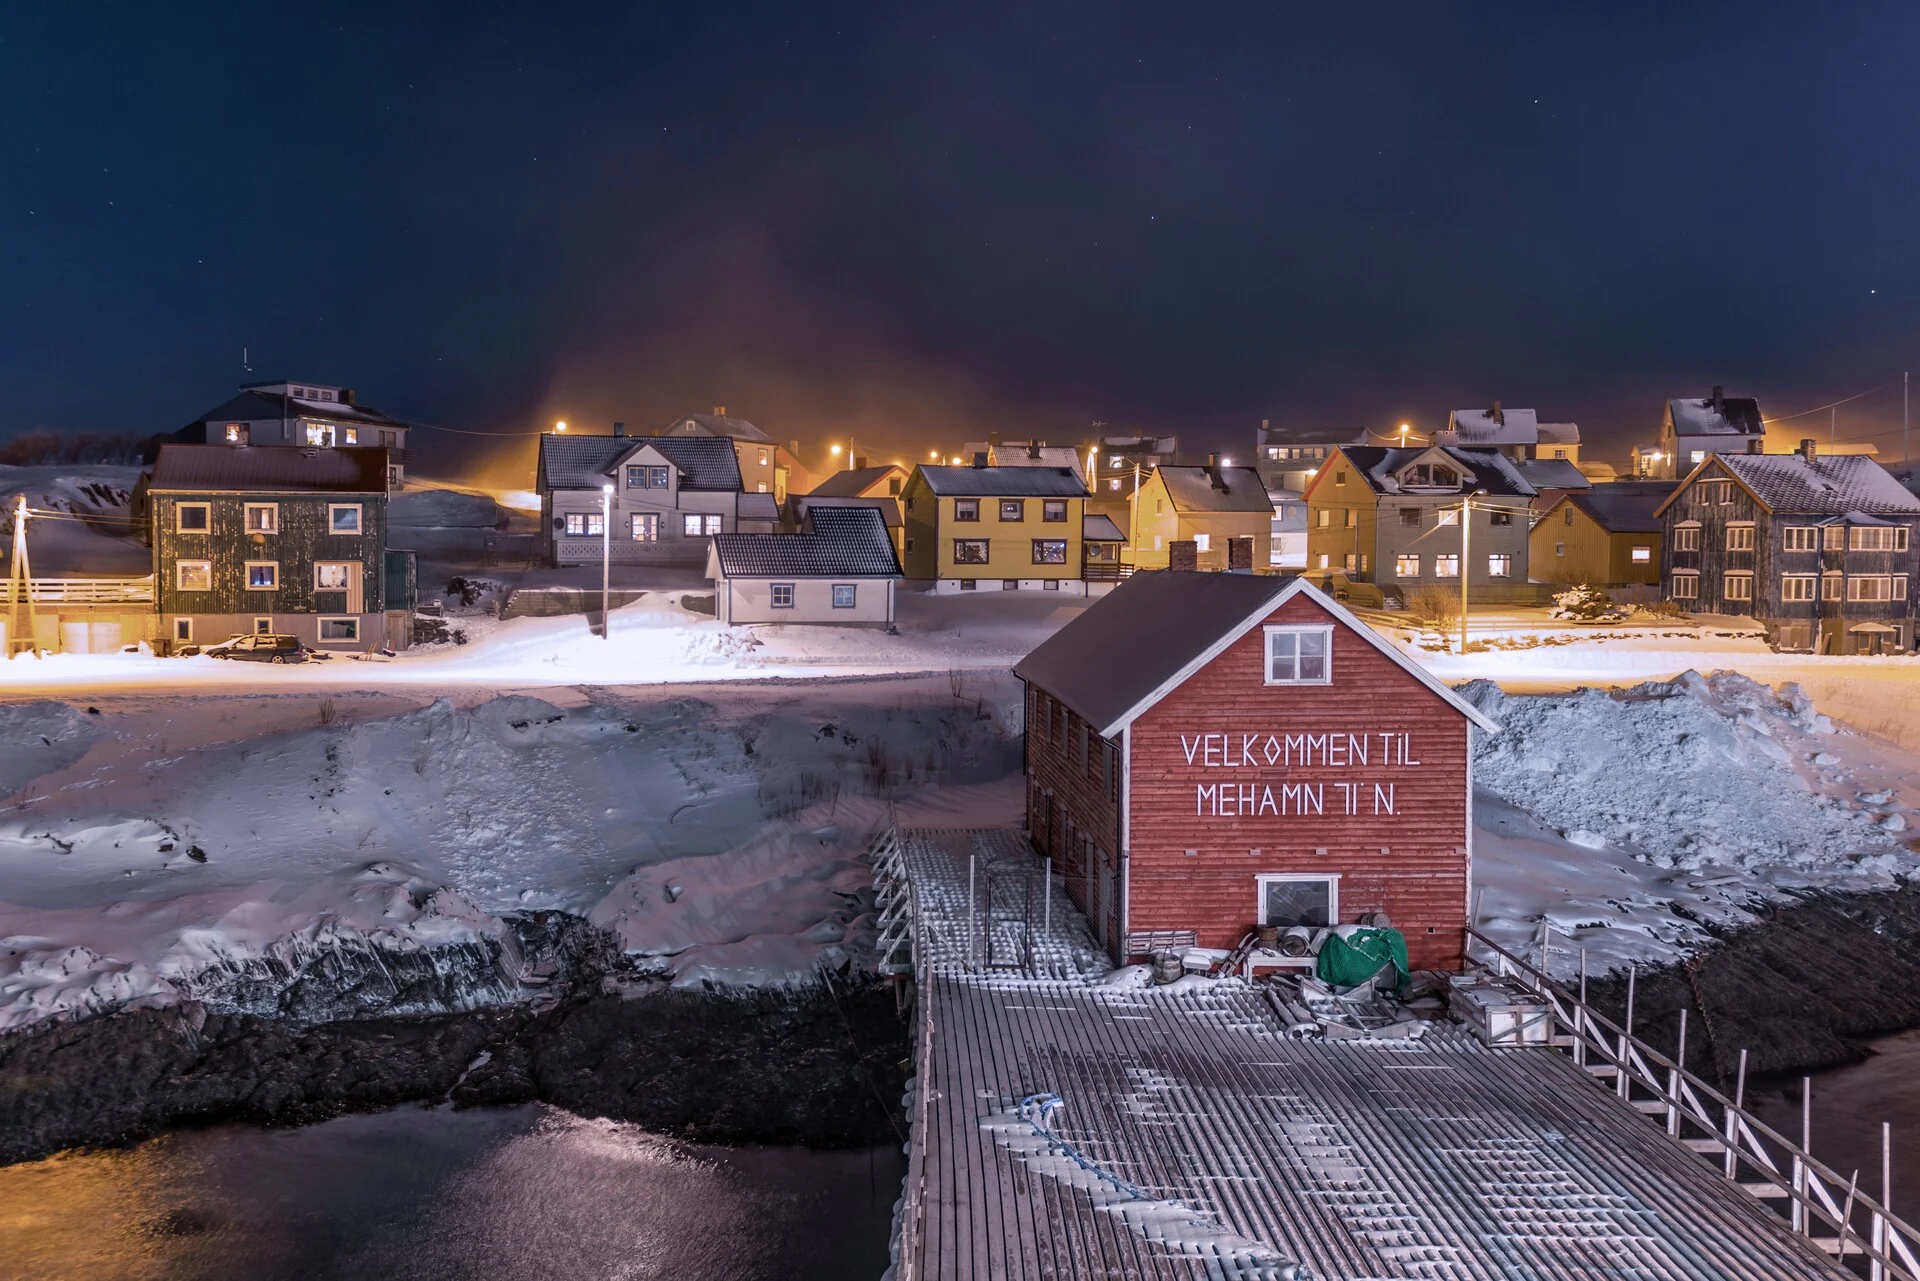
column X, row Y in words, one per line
column 1067, row 1126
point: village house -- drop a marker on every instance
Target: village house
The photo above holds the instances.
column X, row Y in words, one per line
column 264, row 541
column 1224, row 512
column 303, row 414
column 840, row 569
column 1605, row 536
column 886, row 480
column 667, row 496
column 1819, row 550
column 1288, row 457
column 1392, row 516
column 1120, row 466
column 1023, row 453
column 1517, row 433
column 1690, row 430
column 983, row 528
column 793, row 517
column 766, row 466
column 1207, row 753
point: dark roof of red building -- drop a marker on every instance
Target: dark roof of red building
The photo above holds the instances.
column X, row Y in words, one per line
column 1144, row 638
column 282, row 469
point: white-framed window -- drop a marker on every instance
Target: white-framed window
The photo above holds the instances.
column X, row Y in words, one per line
column 1899, row 586
column 1798, row 586
column 320, row 434
column 192, row 518
column 263, row 575
column 1876, row 538
column 1835, row 538
column 1641, row 553
column 350, row 435
column 780, row 595
column 1292, row 898
column 1446, row 565
column 1832, row 584
column 765, row 458
column 646, row 476
column 1800, row 538
column 1870, row 587
column 844, row 595
column 1740, row 538
column 1686, row 586
column 1113, row 483
column 1697, row 457
column 1566, row 515
column 263, row 518
column 1559, row 549
column 1203, row 542
column 339, row 629
column 644, row 527
column 584, row 525
column 193, row 575
column 1156, row 547
column 1447, row 516
column 1499, row 565
column 263, row 627
column 344, row 518
column 969, row 551
column 1353, row 518
column 1737, row 587
column 760, row 487
column 183, row 629
column 331, row 575
column 696, row 525
column 1325, row 518
column 393, row 478
column 1686, row 538
column 1406, row 566
column 1300, row 655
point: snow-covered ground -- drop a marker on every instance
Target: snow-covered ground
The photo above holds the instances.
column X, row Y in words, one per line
column 86, row 529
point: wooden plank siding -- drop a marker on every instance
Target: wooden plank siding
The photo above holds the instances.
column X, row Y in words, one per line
column 302, row 539
column 1570, row 546
column 1073, row 808
column 1412, row 864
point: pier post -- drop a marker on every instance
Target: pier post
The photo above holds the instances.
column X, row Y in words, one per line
column 1624, row 1080
column 1802, row 1221
column 1733, row 1118
column 1673, row 1080
column 1046, row 902
column 1881, row 1228
column 973, row 915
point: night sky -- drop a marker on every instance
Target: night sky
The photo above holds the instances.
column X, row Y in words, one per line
column 922, row 228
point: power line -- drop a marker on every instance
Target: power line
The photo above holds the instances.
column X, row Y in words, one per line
column 1821, row 409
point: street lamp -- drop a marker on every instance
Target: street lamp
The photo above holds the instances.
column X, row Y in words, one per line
column 1466, row 559
column 1093, row 460
column 606, row 557
column 561, row 425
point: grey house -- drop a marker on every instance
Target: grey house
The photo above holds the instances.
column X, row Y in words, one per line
column 839, row 570
column 669, row 496
column 306, row 414
column 1692, row 430
column 1392, row 516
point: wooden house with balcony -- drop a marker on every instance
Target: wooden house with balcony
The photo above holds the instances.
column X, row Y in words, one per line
column 1819, row 550
column 986, row 528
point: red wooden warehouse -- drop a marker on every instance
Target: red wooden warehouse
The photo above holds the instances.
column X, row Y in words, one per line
column 1212, row 752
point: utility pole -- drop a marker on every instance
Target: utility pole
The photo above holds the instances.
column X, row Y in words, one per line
column 20, row 582
column 1904, row 381
column 606, row 559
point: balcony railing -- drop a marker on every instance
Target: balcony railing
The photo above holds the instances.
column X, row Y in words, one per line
column 84, row 591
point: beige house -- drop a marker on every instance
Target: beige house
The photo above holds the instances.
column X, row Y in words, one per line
column 667, row 496
column 840, row 571
column 766, row 465
column 1213, row 507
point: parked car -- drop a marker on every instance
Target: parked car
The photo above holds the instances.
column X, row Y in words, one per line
column 260, row 649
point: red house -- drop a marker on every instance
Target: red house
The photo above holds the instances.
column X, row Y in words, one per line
column 1211, row 752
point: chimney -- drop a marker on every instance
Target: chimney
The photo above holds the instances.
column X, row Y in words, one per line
column 719, row 411
column 1498, row 415
column 1808, row 449
column 619, row 429
column 1756, row 445
column 1716, row 398
column 1033, row 451
column 980, row 458
column 346, row 395
column 793, row 447
column 993, row 440
column 1215, row 476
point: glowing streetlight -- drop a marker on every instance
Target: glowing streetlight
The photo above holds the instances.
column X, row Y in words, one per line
column 934, row 454
column 561, row 425
column 834, row 450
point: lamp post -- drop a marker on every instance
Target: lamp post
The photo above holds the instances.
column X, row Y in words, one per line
column 1466, row 559
column 606, row 559
column 560, row 426
column 1093, row 463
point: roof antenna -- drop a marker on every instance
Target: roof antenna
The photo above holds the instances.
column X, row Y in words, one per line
column 243, row 361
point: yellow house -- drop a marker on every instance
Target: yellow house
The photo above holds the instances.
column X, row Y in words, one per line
column 1606, row 537
column 1211, row 507
column 987, row 528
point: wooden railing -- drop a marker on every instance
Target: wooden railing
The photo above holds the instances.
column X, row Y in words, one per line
column 1820, row 1205
column 85, row 591
column 1105, row 571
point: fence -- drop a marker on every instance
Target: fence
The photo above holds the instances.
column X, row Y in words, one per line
column 1720, row 1129
column 900, row 945
column 84, row 591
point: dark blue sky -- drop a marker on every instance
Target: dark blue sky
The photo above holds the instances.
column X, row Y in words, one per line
column 923, row 227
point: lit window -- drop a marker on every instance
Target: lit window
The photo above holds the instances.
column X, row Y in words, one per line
column 193, row 575
column 644, row 527
column 263, row 575
column 1405, row 566
column 343, row 518
column 781, row 595
column 1053, row 509
column 1325, row 517
column 1686, row 586
column 1013, row 509
column 696, row 526
column 339, row 629
column 1113, row 485
column 1797, row 586
column 1739, row 538
column 843, row 595
column 1641, row 554
column 1049, row 551
column 193, row 518
column 237, row 433
column 352, row 435
column 330, row 577
column 1447, row 516
column 1698, row 456
column 320, row 434
column 1203, row 542
column 1499, row 565
column 966, row 509
column 1446, row 565
column 1299, row 655
column 969, row 551
column 263, row 518
column 584, row 525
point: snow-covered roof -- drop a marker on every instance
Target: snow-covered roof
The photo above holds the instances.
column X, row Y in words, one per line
column 1004, row 482
column 1140, row 444
column 840, row 542
column 1559, row 433
column 1727, row 416
column 1479, row 427
column 1552, row 473
column 1826, row 485
column 1485, row 469
column 1022, row 453
column 1142, row 640
column 1195, row 489
column 705, row 463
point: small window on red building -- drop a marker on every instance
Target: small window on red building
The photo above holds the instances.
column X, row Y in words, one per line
column 1299, row 655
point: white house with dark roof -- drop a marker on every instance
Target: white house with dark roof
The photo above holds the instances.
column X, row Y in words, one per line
column 839, row 570
column 1693, row 429
column 669, row 495
column 1820, row 550
column 766, row 465
column 1517, row 433
column 305, row 414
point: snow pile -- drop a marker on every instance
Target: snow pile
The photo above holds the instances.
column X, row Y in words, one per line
column 38, row 738
column 1690, row 773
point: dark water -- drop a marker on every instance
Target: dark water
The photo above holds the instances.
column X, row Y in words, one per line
column 1849, row 1104
column 529, row 1194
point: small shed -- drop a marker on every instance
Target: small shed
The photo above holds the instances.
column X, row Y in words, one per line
column 1207, row 753
column 840, row 570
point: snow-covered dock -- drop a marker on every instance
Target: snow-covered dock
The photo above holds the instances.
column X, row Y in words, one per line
column 1076, row 1126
